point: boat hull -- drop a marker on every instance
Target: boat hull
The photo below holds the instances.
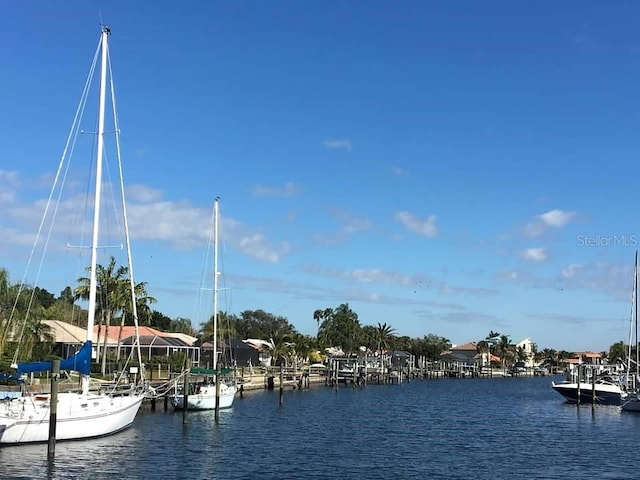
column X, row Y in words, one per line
column 605, row 393
column 632, row 404
column 26, row 419
column 205, row 399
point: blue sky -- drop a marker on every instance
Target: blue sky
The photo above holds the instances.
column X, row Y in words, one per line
column 444, row 167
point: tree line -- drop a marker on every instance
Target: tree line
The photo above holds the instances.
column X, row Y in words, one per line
column 23, row 307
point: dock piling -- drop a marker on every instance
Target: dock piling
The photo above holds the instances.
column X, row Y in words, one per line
column 53, row 409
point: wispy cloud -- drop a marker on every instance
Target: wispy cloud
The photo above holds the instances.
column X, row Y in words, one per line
column 335, row 144
column 416, row 283
column 258, row 247
column 572, row 319
column 144, row 194
column 8, row 182
column 351, row 223
column 370, row 275
column 534, row 254
column 178, row 225
column 9, row 176
column 552, row 219
column 464, row 317
column 288, row 190
column 399, row 172
column 426, row 227
column 607, row 278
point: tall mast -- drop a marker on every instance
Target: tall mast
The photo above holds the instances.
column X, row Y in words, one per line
column 215, row 283
column 98, row 192
column 635, row 308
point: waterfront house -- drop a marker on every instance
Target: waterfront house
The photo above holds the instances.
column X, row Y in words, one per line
column 67, row 338
column 401, row 359
column 264, row 350
column 153, row 343
column 526, row 346
column 466, row 353
column 587, row 358
column 232, row 351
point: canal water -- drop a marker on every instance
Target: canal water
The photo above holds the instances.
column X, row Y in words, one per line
column 501, row 428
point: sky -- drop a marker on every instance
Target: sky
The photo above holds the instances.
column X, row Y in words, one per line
column 448, row 168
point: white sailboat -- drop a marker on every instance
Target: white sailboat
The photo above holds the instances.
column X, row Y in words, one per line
column 205, row 397
column 82, row 414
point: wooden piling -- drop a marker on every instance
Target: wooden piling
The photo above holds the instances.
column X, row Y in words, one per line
column 185, row 392
column 53, row 408
column 217, row 413
column 281, row 385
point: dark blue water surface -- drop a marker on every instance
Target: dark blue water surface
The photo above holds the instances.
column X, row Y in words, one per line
column 511, row 428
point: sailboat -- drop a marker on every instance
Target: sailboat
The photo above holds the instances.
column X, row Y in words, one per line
column 608, row 387
column 85, row 413
column 632, row 402
column 206, row 397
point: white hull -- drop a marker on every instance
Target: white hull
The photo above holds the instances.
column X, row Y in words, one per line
column 205, row 399
column 26, row 419
column 605, row 393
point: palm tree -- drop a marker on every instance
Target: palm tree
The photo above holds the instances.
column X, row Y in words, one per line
column 5, row 308
column 142, row 305
column 109, row 297
column 505, row 349
column 317, row 316
column 281, row 346
column 384, row 335
column 483, row 348
column 35, row 334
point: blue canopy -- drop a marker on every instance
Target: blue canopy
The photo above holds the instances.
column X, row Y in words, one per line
column 80, row 362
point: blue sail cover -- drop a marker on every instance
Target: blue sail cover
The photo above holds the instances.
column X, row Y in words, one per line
column 80, row 362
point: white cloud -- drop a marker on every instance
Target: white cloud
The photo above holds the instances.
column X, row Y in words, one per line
column 535, row 254
column 557, row 218
column 335, row 144
column 257, row 246
column 288, row 190
column 8, row 180
column 552, row 219
column 571, row 270
column 426, row 227
column 142, row 193
column 9, row 176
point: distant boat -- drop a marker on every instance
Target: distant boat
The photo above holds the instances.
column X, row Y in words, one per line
column 79, row 414
column 606, row 388
column 204, row 397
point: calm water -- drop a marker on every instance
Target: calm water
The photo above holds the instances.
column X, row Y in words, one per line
column 427, row 429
